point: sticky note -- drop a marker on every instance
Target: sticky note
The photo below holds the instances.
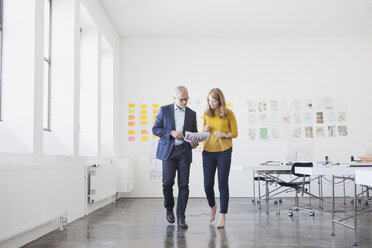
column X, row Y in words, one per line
column 155, row 111
column 144, row 132
column 131, row 117
column 155, row 106
column 131, row 123
column 131, row 138
column 143, row 105
column 131, row 105
column 143, row 122
column 143, row 112
column 131, row 111
column 154, row 117
column 228, row 105
column 144, row 138
column 131, row 132
column 154, row 136
column 143, row 117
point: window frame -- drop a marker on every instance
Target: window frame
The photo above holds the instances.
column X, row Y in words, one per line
column 48, row 60
column 1, row 54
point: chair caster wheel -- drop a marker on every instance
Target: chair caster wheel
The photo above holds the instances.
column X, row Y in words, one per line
column 280, row 200
column 290, row 214
column 312, row 213
column 359, row 200
column 253, row 202
column 277, row 212
column 275, row 202
column 258, row 202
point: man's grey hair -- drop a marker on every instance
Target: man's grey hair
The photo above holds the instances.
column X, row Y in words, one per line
column 180, row 89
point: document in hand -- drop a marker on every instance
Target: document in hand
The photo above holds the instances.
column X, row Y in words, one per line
column 198, row 137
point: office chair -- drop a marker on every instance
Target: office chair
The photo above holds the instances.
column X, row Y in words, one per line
column 267, row 179
column 298, row 186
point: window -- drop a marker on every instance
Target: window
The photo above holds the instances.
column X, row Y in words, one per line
column 47, row 64
column 1, row 50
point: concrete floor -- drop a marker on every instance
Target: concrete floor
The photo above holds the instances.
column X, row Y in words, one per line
column 141, row 223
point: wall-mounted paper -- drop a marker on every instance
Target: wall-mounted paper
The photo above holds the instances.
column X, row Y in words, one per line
column 131, row 105
column 131, row 132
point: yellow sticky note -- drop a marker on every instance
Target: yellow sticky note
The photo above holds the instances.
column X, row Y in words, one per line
column 143, row 117
column 154, row 117
column 155, row 111
column 131, row 105
column 143, row 105
column 143, row 122
column 143, row 112
column 228, row 105
column 131, row 132
column 155, row 106
column 144, row 138
column 154, row 136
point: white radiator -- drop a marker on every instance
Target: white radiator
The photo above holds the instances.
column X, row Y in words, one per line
column 31, row 195
column 101, row 181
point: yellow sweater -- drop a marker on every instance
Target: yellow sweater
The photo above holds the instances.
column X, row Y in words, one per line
column 227, row 125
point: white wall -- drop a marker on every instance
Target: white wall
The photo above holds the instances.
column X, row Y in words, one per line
column 247, row 68
column 22, row 210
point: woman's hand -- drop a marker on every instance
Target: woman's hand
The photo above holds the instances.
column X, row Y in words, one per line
column 220, row 134
column 207, row 128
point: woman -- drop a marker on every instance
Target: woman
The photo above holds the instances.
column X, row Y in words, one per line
column 221, row 123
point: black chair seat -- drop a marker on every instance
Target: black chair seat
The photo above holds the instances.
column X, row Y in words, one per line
column 263, row 179
column 293, row 184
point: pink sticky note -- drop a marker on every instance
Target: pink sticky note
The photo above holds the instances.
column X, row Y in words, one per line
column 131, row 138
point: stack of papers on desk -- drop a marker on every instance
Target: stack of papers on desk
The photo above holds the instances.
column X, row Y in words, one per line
column 360, row 164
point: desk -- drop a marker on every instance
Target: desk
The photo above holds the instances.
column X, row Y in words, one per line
column 364, row 175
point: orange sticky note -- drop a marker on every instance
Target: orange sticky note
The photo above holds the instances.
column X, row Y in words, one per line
column 131, row 117
column 131, row 105
column 155, row 111
column 144, row 132
column 131, row 123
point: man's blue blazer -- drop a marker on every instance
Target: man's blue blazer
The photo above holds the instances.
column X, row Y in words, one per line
column 165, row 123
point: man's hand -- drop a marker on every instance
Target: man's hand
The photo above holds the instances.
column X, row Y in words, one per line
column 177, row 135
column 194, row 144
column 207, row 128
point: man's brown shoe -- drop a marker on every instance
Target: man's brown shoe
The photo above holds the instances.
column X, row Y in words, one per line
column 170, row 216
column 182, row 223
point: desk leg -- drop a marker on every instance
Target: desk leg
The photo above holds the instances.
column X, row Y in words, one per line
column 259, row 191
column 266, row 193
column 333, row 206
column 355, row 213
column 343, row 178
column 254, row 189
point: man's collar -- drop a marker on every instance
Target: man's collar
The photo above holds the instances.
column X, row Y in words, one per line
column 177, row 108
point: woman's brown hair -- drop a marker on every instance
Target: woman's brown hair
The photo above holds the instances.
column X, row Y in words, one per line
column 216, row 94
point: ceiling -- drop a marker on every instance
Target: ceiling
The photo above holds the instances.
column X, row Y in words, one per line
column 240, row 18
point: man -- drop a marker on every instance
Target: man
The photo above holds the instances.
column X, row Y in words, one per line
column 170, row 126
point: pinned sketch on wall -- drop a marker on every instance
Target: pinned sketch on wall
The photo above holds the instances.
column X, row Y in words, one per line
column 155, row 171
column 321, row 117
